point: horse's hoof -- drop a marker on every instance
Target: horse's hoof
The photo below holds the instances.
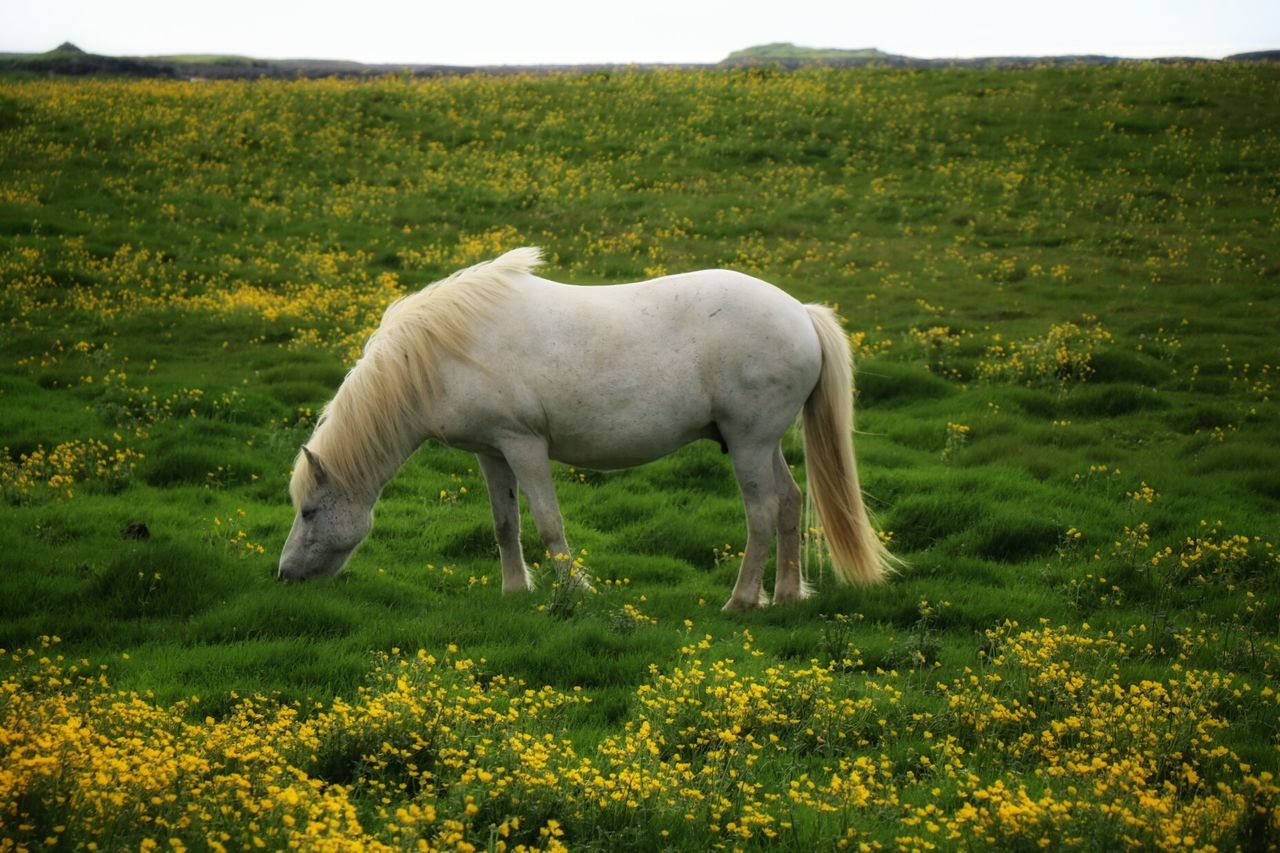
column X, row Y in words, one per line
column 790, row 597
column 733, row 605
column 525, row 584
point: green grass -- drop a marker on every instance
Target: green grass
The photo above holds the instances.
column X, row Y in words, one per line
column 228, row 246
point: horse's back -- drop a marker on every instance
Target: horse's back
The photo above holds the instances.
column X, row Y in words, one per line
column 725, row 329
column 717, row 314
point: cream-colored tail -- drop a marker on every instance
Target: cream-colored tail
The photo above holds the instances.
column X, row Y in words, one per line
column 856, row 550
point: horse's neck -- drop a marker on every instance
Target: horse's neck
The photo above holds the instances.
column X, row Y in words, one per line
column 374, row 442
column 396, row 453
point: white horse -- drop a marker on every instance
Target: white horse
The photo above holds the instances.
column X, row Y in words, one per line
column 520, row 370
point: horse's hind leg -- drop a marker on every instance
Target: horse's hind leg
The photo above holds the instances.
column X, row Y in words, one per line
column 790, row 584
column 754, row 468
column 501, row 481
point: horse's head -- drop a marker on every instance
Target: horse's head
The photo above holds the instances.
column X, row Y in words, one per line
column 330, row 523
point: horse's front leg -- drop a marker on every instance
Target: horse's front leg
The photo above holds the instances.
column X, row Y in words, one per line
column 501, row 481
column 532, row 466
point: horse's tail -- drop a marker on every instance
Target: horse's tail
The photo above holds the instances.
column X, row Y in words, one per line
column 856, row 551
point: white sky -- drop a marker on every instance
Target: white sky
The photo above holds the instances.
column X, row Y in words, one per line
column 511, row 32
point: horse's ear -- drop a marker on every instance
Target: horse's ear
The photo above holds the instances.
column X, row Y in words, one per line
column 322, row 476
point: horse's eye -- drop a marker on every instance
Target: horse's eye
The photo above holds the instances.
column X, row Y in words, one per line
column 308, row 513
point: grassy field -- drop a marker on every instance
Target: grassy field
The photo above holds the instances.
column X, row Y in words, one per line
column 1061, row 286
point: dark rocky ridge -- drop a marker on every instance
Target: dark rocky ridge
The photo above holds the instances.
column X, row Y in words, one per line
column 69, row 60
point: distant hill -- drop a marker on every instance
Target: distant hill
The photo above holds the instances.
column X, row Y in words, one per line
column 69, row 60
column 785, row 51
column 789, row 55
column 1256, row 56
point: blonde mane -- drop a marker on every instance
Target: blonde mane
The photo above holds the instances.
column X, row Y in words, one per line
column 368, row 427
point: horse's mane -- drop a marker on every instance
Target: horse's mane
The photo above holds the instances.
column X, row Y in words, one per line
column 369, row 422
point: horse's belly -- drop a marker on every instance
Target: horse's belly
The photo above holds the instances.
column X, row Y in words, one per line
column 621, row 431
column 607, row 453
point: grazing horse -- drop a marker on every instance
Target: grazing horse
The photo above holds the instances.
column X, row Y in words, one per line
column 520, row 370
